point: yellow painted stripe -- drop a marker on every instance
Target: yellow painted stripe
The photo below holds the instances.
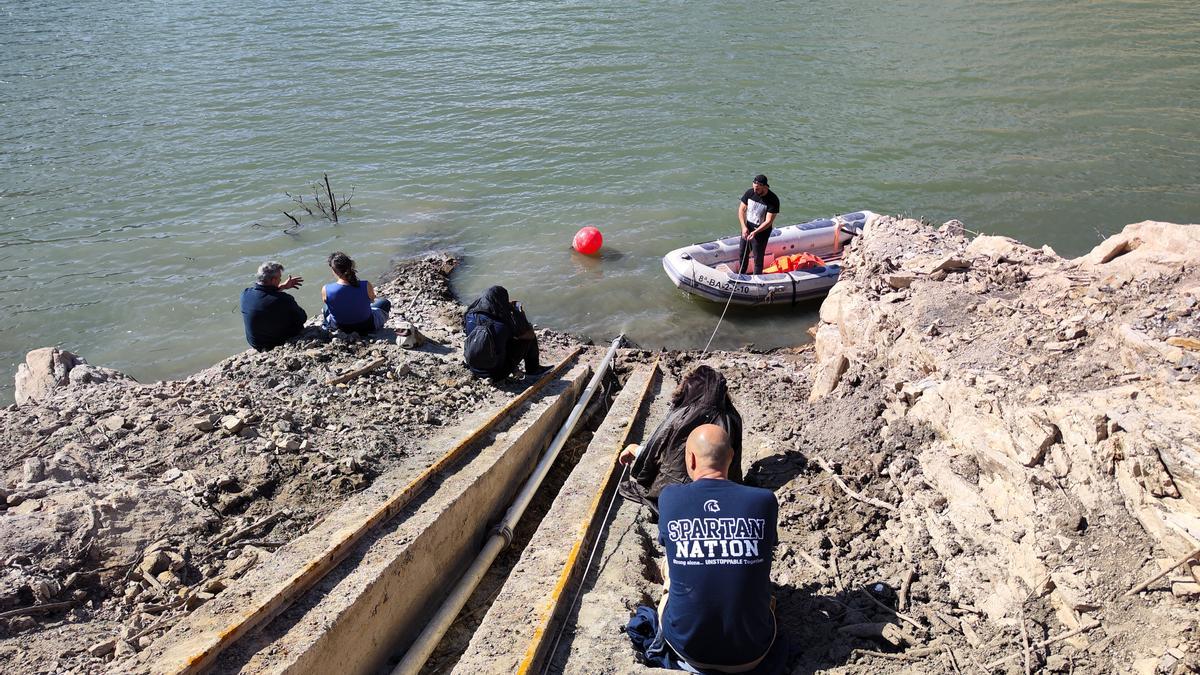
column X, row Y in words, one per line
column 546, row 611
column 312, row 572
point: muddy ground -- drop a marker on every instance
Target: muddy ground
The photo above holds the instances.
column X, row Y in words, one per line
column 1018, row 432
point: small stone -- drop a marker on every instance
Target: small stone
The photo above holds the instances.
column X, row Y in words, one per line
column 1071, row 333
column 949, row 264
column 114, row 423
column 232, row 423
column 34, row 470
column 170, row 475
column 155, row 563
column 1191, row 344
column 206, row 422
column 24, row 505
column 103, row 647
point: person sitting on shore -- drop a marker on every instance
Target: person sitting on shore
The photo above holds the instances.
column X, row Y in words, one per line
column 499, row 337
column 716, row 614
column 271, row 317
column 350, row 302
column 701, row 398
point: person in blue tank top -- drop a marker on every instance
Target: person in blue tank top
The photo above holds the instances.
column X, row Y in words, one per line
column 717, row 614
column 350, row 302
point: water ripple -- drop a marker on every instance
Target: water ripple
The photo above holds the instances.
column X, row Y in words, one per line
column 140, row 140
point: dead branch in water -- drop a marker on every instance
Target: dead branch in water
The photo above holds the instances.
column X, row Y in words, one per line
column 327, row 204
column 331, row 208
column 292, row 229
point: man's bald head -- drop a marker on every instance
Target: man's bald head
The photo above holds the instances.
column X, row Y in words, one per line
column 708, row 451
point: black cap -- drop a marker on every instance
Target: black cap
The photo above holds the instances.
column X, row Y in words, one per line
column 761, row 180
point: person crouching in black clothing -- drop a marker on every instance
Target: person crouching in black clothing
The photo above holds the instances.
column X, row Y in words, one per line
column 499, row 337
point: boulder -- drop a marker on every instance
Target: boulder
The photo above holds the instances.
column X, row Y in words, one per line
column 954, row 228
column 85, row 373
column 949, row 263
column 206, row 422
column 828, row 375
column 997, row 248
column 232, row 423
column 44, row 370
column 1032, row 435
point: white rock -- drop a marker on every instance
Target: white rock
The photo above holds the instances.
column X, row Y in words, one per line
column 44, row 370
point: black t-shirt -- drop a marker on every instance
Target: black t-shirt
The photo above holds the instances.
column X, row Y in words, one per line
column 757, row 207
column 719, row 538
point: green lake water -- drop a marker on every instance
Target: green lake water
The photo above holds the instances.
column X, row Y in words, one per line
column 145, row 147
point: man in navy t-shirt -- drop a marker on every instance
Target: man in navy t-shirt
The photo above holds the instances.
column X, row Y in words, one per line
column 719, row 538
column 756, row 214
column 270, row 316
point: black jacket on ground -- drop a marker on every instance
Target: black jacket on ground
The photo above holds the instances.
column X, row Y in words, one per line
column 271, row 317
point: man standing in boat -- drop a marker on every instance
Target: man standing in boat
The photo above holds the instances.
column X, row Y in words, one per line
column 756, row 214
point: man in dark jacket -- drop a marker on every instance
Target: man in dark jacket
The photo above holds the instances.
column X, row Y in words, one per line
column 271, row 316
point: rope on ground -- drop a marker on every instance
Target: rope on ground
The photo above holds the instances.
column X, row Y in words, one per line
column 587, row 568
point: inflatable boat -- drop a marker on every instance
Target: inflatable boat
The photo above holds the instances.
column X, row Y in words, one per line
column 801, row 263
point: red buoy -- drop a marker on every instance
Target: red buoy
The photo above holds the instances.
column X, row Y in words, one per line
column 588, row 240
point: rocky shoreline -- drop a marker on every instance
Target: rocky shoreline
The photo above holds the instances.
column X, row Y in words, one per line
column 1025, row 425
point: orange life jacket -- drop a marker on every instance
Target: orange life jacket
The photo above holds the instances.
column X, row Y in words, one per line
column 790, row 263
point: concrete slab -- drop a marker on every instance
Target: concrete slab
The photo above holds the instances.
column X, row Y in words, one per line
column 379, row 596
column 522, row 623
column 624, row 574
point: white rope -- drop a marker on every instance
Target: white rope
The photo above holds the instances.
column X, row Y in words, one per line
column 718, row 326
column 596, row 546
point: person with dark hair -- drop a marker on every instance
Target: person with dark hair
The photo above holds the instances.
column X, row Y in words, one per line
column 499, row 337
column 702, row 397
column 756, row 214
column 350, row 302
column 270, row 316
